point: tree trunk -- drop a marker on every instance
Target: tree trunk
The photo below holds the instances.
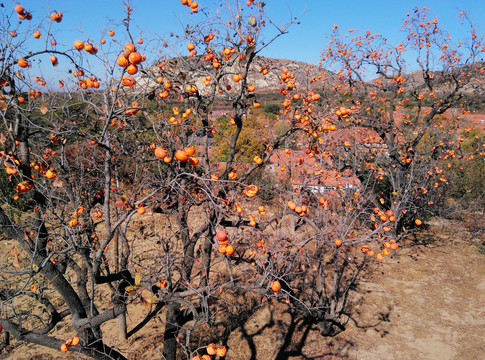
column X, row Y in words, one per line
column 171, row 330
column 328, row 326
column 122, row 327
column 6, row 341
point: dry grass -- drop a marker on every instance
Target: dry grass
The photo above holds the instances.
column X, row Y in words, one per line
column 424, row 303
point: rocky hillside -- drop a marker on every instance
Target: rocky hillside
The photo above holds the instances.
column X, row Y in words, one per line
column 193, row 70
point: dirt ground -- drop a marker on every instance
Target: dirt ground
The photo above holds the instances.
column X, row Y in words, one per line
column 427, row 302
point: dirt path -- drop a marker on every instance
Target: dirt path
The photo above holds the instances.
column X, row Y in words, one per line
column 435, row 296
column 428, row 302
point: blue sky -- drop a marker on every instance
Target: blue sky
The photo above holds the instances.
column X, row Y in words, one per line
column 377, row 16
column 302, row 43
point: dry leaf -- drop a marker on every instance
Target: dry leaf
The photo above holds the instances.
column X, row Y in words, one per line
column 19, row 75
column 16, row 261
column 58, row 182
column 138, row 280
column 2, row 138
column 14, row 252
column 43, row 109
column 3, row 105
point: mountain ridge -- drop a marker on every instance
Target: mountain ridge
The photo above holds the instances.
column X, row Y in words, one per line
column 269, row 83
column 307, row 76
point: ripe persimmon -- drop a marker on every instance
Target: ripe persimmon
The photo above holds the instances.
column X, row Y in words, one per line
column 251, row 191
column 78, row 45
column 190, row 150
column 50, row 174
column 128, row 81
column 135, row 58
column 130, row 47
column 229, row 250
column 57, row 17
column 221, row 351
column 193, row 160
column 132, row 69
column 209, row 37
column 181, row 155
column 25, row 16
column 211, row 349
column 122, row 61
column 160, row 152
column 221, row 235
column 275, row 285
column 22, row 63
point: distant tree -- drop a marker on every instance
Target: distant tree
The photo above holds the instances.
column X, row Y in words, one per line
column 272, row 108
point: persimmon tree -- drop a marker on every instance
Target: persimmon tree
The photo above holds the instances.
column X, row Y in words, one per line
column 383, row 144
column 85, row 163
column 115, row 199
